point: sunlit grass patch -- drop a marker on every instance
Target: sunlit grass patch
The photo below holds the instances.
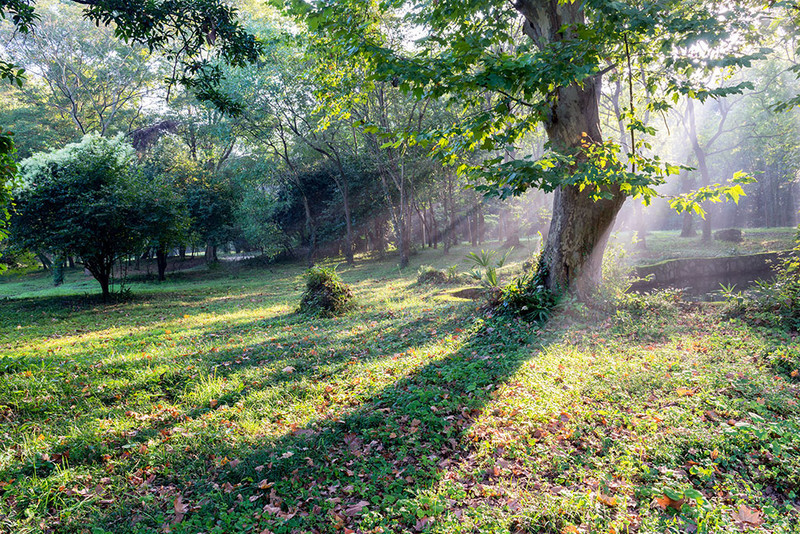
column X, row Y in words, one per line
column 413, row 413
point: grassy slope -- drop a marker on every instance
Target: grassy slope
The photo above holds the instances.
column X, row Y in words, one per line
column 206, row 405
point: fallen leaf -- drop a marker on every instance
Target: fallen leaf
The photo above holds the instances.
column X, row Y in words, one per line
column 684, row 392
column 750, row 516
column 356, row 508
column 795, row 373
column 180, row 509
column 665, row 502
column 288, row 369
column 608, row 500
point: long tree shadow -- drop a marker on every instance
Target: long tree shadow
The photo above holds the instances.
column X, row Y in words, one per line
column 360, row 470
column 175, row 382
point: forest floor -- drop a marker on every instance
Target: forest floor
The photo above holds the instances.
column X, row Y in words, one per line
column 206, row 404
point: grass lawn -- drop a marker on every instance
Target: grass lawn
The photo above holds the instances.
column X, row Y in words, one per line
column 668, row 245
column 205, row 404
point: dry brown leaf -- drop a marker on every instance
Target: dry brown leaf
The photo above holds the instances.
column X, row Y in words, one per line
column 665, row 502
column 750, row 516
column 608, row 500
column 288, row 369
column 180, row 509
column 356, row 508
column 685, row 392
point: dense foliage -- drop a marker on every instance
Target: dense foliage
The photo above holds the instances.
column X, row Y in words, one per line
column 86, row 200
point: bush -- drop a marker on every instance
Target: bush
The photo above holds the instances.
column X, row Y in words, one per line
column 326, row 293
column 528, row 297
column 431, row 275
column 774, row 303
column 733, row 235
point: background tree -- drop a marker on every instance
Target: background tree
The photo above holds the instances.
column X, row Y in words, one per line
column 83, row 72
column 471, row 53
column 86, row 200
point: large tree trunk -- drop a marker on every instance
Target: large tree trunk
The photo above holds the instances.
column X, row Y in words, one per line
column 211, row 253
column 573, row 253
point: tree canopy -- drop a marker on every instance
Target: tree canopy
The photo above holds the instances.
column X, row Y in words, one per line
column 88, row 200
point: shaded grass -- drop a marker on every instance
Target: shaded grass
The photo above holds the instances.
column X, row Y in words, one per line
column 207, row 405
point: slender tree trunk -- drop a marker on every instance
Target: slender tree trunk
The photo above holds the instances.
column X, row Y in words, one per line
column 58, row 269
column 348, row 245
column 434, row 227
column 403, row 230
column 450, row 237
column 45, row 261
column 312, row 231
column 380, row 239
column 702, row 165
column 481, row 224
column 161, row 260
column 687, row 229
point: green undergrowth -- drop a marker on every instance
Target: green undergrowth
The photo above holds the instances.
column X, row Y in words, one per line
column 210, row 406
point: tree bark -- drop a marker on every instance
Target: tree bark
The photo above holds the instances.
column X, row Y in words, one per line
column 572, row 257
column 161, row 260
column 46, row 263
column 434, row 228
column 687, row 229
column 312, row 230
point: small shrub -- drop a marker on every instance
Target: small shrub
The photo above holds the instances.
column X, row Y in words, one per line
column 774, row 303
column 326, row 293
column 732, row 235
column 528, row 297
column 431, row 275
column 485, row 260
